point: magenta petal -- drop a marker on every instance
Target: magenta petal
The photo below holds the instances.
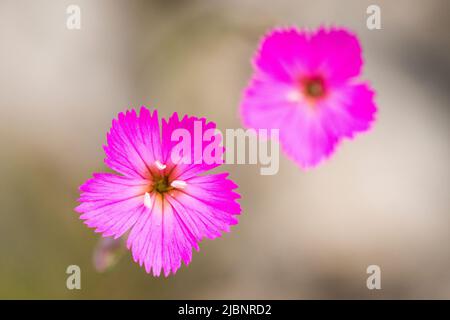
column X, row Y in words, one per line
column 351, row 110
column 305, row 140
column 283, row 53
column 160, row 240
column 207, row 206
column 134, row 143
column 265, row 105
column 215, row 190
column 197, row 164
column 338, row 53
column 111, row 203
column 208, row 222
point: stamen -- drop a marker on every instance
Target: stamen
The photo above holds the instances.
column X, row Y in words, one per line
column 159, row 165
column 179, row 184
column 147, row 200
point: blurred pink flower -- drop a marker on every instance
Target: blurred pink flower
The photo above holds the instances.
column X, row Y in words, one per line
column 167, row 207
column 305, row 85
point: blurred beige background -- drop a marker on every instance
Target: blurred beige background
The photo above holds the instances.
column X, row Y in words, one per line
column 382, row 199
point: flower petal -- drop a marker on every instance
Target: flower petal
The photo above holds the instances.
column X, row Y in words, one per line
column 215, row 190
column 304, row 139
column 134, row 143
column 111, row 203
column 337, row 52
column 210, row 205
column 196, row 129
column 159, row 241
column 265, row 104
column 283, row 54
column 351, row 109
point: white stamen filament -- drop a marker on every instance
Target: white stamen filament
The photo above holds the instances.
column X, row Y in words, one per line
column 147, row 200
column 179, row 184
column 159, row 165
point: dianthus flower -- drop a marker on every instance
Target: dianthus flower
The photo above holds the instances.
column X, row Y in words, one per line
column 166, row 207
column 305, row 84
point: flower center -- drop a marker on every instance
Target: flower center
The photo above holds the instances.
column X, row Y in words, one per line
column 314, row 87
column 162, row 185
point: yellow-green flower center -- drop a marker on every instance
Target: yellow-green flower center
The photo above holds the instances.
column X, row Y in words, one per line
column 314, row 88
column 162, row 184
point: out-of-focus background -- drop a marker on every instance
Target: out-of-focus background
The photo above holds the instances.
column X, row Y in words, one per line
column 383, row 199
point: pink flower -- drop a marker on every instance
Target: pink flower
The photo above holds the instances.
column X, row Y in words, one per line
column 305, row 85
column 168, row 208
